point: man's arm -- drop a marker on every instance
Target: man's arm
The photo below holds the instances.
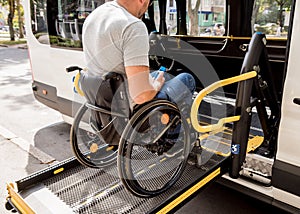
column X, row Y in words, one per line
column 142, row 87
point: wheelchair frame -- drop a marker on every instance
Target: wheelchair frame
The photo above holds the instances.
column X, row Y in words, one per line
column 250, row 93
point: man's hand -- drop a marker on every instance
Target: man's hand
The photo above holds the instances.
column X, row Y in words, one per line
column 158, row 81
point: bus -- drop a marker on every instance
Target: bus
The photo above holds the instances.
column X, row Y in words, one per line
column 219, row 30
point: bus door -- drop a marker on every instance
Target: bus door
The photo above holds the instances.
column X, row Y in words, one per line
column 286, row 170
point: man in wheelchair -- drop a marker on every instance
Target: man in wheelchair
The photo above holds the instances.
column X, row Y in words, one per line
column 115, row 39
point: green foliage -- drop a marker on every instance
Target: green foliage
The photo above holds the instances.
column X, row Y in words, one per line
column 3, row 2
column 17, row 42
column 271, row 11
column 15, row 17
column 64, row 42
column 38, row 35
column 267, row 14
column 285, row 3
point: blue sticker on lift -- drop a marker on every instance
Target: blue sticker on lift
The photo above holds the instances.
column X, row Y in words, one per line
column 235, row 149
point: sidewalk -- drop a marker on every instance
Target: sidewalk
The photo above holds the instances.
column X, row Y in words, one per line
column 6, row 37
column 21, row 46
column 17, row 160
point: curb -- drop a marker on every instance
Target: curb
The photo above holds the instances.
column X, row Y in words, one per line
column 20, row 46
column 26, row 146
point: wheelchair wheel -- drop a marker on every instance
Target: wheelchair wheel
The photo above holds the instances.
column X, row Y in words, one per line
column 153, row 149
column 87, row 146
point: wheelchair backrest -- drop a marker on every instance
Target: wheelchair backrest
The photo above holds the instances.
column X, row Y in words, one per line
column 108, row 93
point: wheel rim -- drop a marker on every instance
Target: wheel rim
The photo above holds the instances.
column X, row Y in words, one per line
column 145, row 172
column 86, row 144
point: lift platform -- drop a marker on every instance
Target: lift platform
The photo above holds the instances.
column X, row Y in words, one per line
column 69, row 187
column 77, row 189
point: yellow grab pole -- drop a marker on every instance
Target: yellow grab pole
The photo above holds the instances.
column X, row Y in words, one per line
column 209, row 89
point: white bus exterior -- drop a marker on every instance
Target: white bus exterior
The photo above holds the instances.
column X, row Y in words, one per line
column 53, row 86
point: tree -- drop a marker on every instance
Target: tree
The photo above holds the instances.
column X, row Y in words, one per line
column 282, row 4
column 254, row 14
column 10, row 17
column 193, row 14
column 20, row 23
column 275, row 8
column 14, row 5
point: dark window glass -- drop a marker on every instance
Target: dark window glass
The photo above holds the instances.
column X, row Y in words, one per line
column 271, row 17
column 171, row 3
column 59, row 22
column 39, row 20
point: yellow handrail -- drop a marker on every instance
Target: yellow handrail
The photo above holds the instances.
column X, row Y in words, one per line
column 209, row 89
column 76, row 84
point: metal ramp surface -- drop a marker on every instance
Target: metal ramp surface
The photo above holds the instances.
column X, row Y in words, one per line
column 86, row 190
column 69, row 187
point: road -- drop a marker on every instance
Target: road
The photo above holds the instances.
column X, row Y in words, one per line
column 28, row 123
column 42, row 129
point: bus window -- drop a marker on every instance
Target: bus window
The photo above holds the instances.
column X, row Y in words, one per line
column 204, row 17
column 208, row 20
column 271, row 17
column 62, row 25
column 38, row 20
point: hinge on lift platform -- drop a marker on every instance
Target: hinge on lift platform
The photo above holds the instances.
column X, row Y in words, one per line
column 17, row 201
column 258, row 168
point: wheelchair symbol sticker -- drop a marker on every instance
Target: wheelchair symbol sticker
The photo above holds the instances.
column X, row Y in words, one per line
column 235, row 149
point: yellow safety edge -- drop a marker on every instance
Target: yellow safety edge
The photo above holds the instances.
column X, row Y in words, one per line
column 190, row 191
column 17, row 200
column 76, row 84
column 254, row 143
column 209, row 89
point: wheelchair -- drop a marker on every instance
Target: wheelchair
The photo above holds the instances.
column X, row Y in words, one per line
column 152, row 142
column 149, row 144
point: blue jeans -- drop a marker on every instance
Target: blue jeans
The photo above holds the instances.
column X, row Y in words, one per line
column 178, row 89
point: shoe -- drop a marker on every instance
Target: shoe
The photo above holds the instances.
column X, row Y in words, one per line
column 194, row 158
column 173, row 148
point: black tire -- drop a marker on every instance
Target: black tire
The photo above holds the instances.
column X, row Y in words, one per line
column 86, row 144
column 8, row 206
column 147, row 168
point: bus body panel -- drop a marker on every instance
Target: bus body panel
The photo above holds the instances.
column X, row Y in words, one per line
column 54, row 64
column 48, row 66
column 286, row 169
column 286, row 197
column 289, row 136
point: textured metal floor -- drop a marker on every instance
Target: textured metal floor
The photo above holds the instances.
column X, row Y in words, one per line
column 87, row 190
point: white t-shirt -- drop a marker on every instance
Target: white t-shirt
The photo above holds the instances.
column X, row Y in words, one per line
column 114, row 39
